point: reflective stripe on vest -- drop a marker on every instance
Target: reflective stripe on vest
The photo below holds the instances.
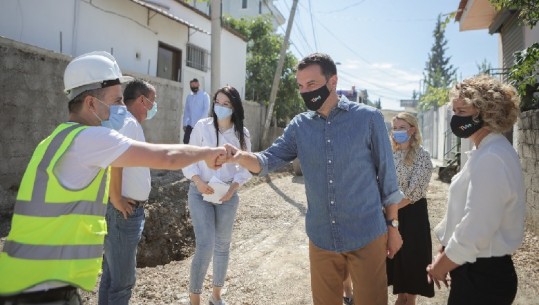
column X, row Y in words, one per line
column 38, row 207
column 41, row 252
column 57, row 233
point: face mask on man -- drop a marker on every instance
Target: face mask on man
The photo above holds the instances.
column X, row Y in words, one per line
column 117, row 114
column 465, row 126
column 150, row 113
column 316, row 98
column 401, row 136
column 194, row 89
column 222, row 112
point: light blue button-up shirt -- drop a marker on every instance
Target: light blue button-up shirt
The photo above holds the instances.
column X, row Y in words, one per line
column 197, row 107
column 347, row 163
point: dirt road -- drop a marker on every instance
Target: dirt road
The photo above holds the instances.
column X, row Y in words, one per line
column 269, row 258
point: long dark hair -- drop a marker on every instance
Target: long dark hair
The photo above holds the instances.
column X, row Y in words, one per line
column 237, row 114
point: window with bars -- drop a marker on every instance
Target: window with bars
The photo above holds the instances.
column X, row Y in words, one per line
column 197, row 57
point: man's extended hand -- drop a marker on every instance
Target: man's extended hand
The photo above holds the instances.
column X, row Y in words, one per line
column 232, row 153
column 216, row 157
column 394, row 242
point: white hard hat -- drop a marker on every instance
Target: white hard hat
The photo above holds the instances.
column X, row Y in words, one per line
column 92, row 71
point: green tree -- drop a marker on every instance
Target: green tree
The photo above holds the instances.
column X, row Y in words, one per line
column 484, row 67
column 439, row 73
column 523, row 74
column 263, row 49
column 528, row 9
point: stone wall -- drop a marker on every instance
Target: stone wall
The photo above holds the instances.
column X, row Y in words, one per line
column 528, row 150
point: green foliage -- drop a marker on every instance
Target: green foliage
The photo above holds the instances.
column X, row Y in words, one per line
column 433, row 97
column 439, row 74
column 263, row 50
column 523, row 75
column 528, row 9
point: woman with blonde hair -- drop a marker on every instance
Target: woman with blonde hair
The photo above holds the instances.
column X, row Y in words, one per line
column 484, row 222
column 407, row 270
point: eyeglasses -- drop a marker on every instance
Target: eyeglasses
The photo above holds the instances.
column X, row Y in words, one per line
column 151, row 103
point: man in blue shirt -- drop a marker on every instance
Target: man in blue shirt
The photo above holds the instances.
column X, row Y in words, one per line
column 197, row 106
column 350, row 182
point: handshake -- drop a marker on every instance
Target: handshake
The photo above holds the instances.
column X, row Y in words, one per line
column 220, row 155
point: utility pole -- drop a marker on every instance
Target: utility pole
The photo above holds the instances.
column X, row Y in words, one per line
column 215, row 45
column 278, row 71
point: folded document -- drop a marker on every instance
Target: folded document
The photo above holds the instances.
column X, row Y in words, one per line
column 219, row 190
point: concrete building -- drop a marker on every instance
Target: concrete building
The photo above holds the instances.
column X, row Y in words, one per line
column 244, row 9
column 166, row 39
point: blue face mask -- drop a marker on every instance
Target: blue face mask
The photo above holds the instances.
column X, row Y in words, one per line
column 150, row 113
column 222, row 112
column 401, row 136
column 117, row 114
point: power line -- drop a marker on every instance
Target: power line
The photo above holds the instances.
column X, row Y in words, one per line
column 312, row 26
column 344, row 8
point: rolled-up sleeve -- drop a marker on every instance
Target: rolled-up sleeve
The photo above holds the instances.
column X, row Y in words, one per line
column 382, row 155
column 281, row 152
column 242, row 175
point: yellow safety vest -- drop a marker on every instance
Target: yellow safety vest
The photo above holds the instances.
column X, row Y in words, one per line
column 56, row 233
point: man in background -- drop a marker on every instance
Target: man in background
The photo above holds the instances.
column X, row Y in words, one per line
column 129, row 190
column 197, row 106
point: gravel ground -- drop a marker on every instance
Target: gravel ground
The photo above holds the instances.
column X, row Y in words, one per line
column 269, row 255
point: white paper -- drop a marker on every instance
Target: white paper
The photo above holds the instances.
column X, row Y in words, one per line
column 219, row 190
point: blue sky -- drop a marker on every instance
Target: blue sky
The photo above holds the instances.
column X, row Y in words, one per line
column 383, row 45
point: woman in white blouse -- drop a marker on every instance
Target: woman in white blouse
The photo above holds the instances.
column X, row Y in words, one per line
column 484, row 222
column 406, row 271
column 213, row 220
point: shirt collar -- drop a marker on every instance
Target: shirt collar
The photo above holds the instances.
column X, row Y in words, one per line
column 343, row 104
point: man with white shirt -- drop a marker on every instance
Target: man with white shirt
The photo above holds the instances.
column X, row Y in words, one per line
column 197, row 106
column 56, row 240
column 129, row 189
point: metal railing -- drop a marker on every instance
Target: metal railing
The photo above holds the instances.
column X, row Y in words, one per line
column 451, row 157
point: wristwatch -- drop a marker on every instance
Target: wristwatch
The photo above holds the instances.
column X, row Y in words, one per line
column 393, row 222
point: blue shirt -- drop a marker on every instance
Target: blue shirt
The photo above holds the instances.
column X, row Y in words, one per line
column 347, row 163
column 197, row 107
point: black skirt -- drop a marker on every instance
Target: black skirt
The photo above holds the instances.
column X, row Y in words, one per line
column 407, row 270
column 488, row 281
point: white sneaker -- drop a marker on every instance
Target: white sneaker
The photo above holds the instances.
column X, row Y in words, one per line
column 216, row 302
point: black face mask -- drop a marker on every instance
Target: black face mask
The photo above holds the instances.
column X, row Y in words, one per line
column 314, row 99
column 465, row 126
column 194, row 89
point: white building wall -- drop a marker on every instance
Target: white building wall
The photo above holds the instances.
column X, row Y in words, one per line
column 38, row 23
column 232, row 71
column 122, row 28
column 531, row 36
column 233, row 51
column 128, row 37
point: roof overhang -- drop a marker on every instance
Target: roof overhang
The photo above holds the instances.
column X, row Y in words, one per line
column 161, row 11
column 475, row 15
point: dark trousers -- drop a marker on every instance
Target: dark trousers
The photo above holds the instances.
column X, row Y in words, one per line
column 187, row 134
column 67, row 295
column 491, row 281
